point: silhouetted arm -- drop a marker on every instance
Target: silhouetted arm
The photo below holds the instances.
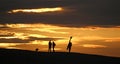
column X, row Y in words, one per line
column 70, row 39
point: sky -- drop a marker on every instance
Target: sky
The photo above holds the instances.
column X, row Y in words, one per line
column 30, row 24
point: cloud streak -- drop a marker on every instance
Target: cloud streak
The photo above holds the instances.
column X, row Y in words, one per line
column 17, row 40
column 39, row 10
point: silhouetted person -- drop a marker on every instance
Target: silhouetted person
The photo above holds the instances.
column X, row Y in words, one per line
column 36, row 49
column 49, row 46
column 69, row 45
column 53, row 44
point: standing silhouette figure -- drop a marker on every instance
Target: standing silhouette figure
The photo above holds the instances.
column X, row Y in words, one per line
column 69, row 45
column 53, row 44
column 49, row 46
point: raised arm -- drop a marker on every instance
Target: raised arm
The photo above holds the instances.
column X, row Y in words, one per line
column 70, row 39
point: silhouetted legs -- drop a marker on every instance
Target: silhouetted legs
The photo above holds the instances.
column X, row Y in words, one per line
column 53, row 50
column 69, row 47
column 49, row 50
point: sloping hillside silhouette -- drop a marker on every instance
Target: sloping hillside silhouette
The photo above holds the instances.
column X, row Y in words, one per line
column 15, row 56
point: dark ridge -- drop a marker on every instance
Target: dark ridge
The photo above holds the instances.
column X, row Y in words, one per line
column 15, row 56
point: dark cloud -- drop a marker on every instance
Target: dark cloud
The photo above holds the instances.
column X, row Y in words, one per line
column 45, row 39
column 13, row 40
column 14, row 4
column 79, row 12
column 17, row 40
column 7, row 35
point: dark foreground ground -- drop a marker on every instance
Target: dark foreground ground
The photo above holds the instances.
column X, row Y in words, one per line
column 14, row 56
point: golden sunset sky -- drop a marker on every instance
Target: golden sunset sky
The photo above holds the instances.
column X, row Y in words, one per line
column 94, row 25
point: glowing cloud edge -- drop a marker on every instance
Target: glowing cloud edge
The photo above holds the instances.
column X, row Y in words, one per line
column 38, row 10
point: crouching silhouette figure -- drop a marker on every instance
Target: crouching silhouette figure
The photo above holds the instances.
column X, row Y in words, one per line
column 36, row 49
column 69, row 45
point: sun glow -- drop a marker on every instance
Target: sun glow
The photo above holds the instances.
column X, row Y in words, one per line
column 93, row 46
column 39, row 42
column 39, row 10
